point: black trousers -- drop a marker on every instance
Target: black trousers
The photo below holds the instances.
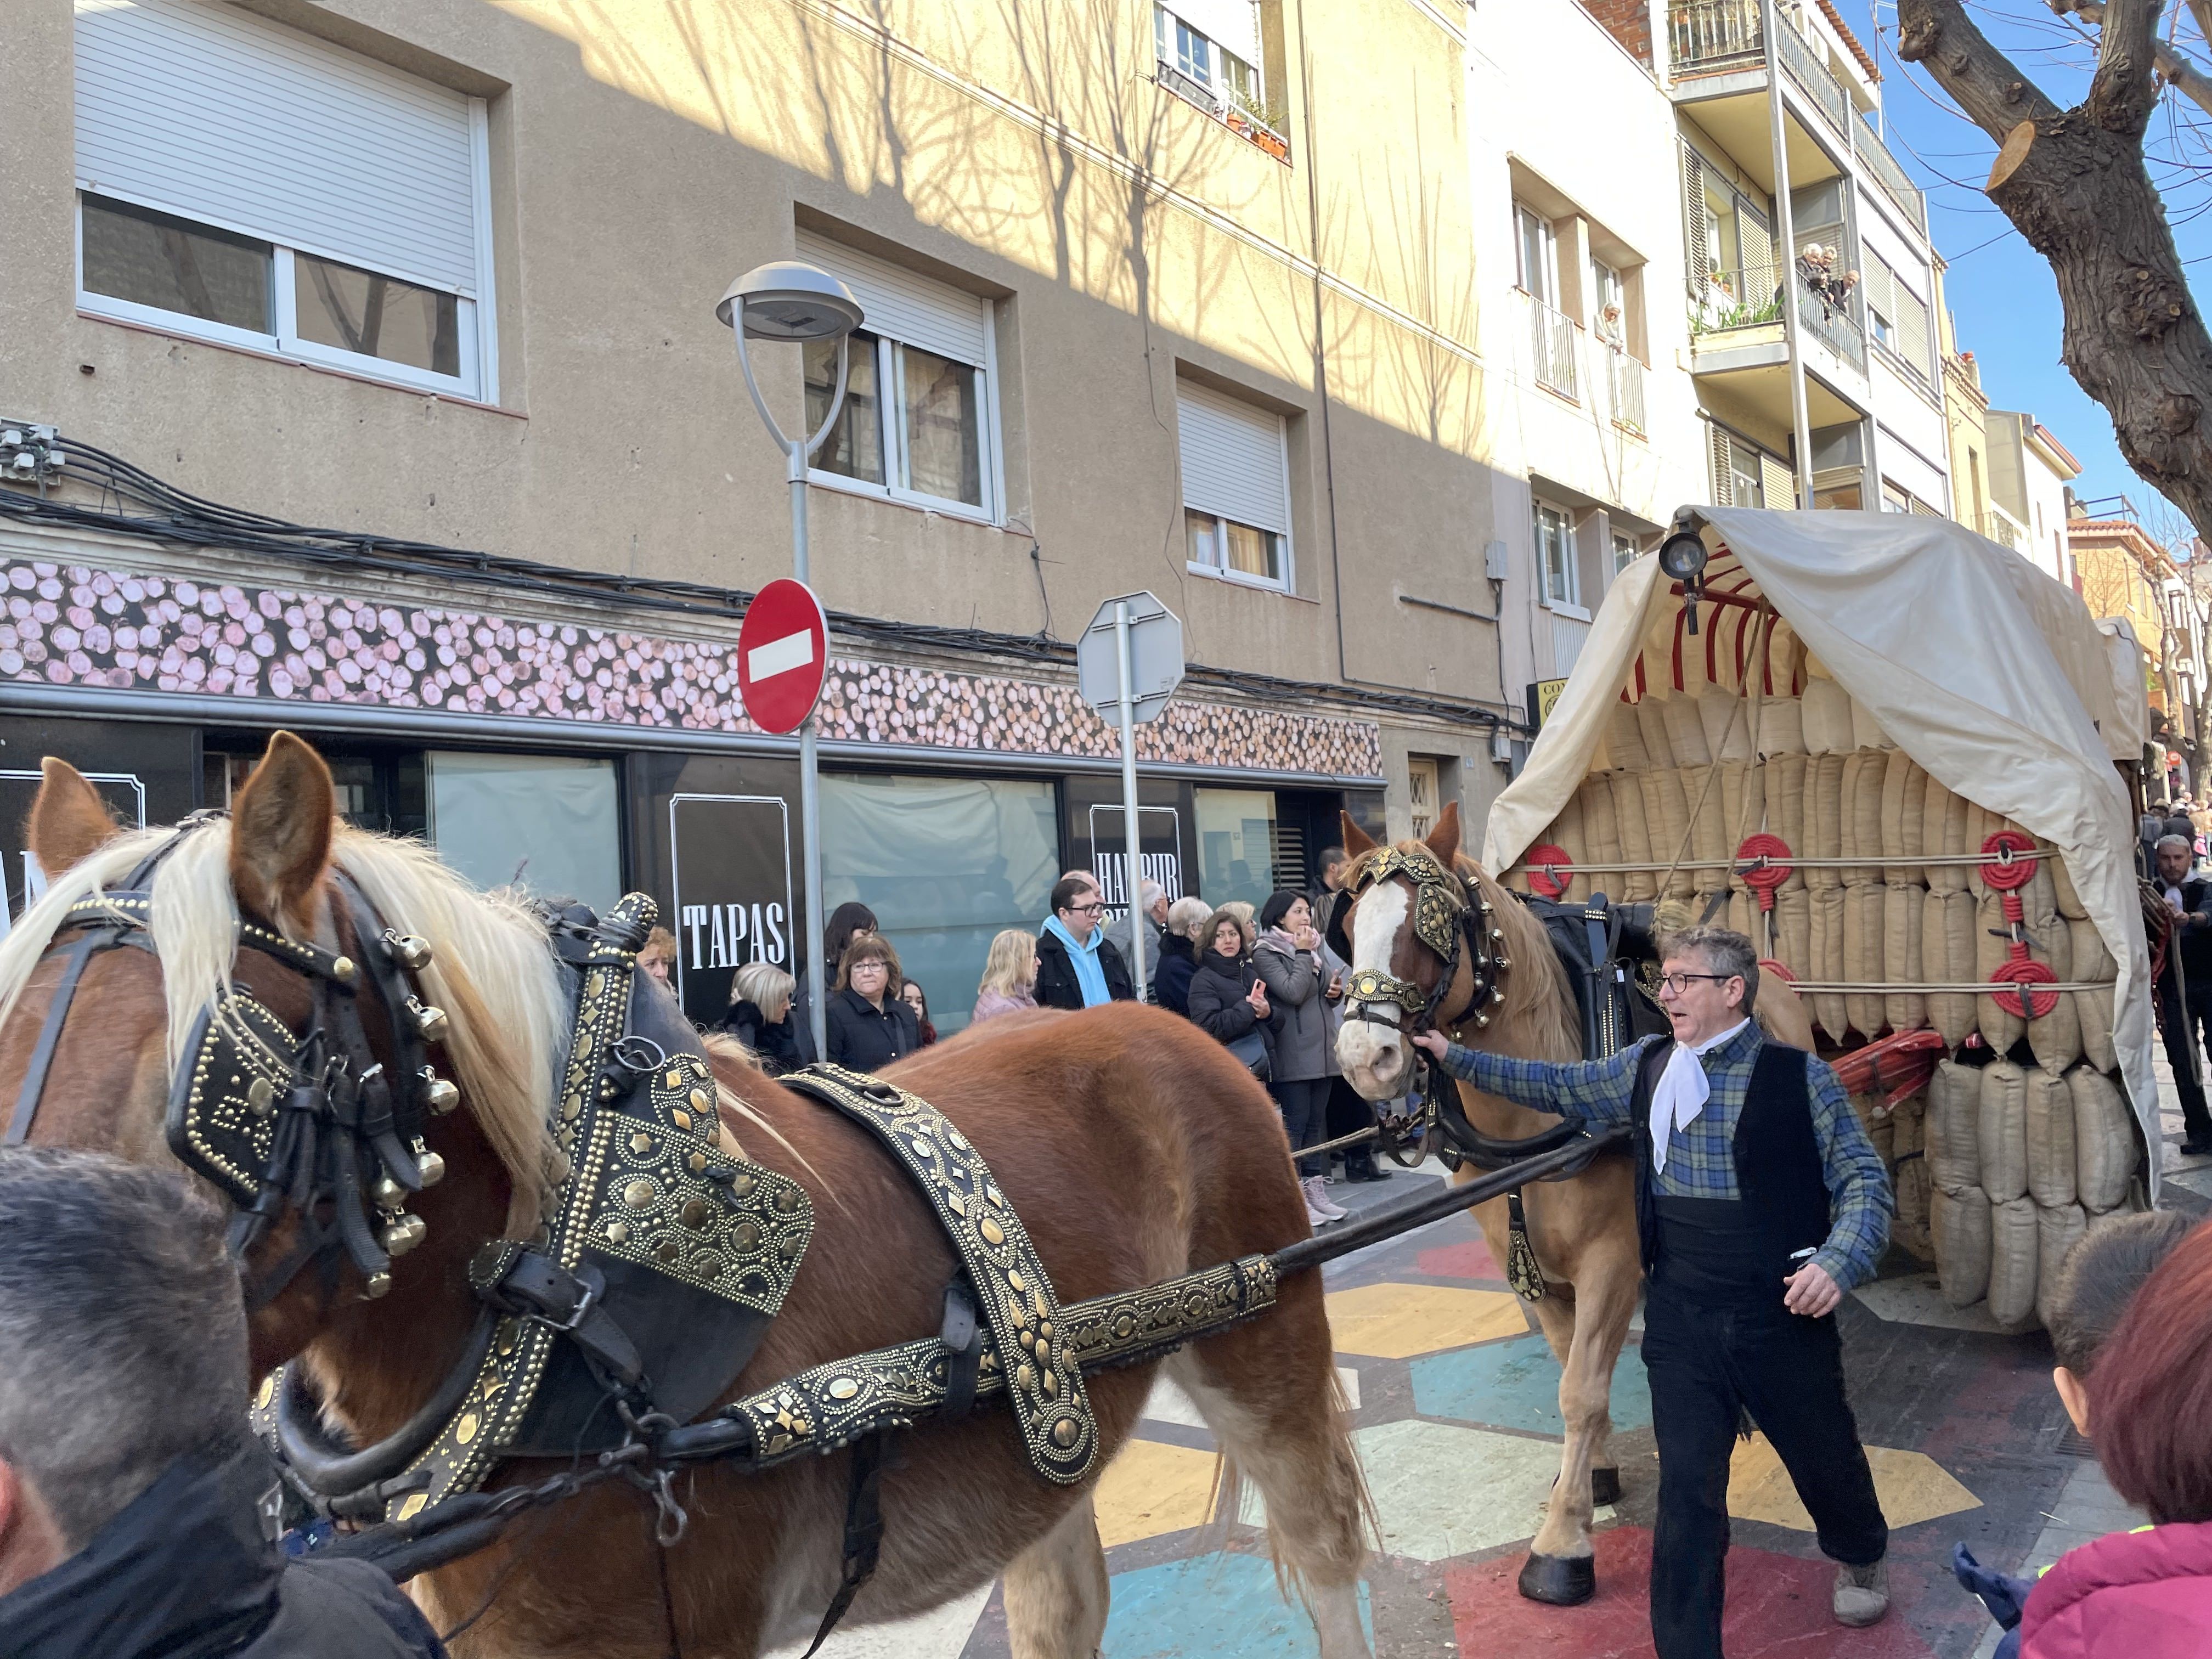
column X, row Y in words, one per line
column 2183, row 1029
column 1349, row 1112
column 1707, row 1363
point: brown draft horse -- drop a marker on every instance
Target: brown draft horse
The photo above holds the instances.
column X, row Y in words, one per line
column 1135, row 1147
column 1582, row 1230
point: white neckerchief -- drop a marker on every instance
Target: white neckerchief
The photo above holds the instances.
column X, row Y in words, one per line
column 1682, row 1092
column 2174, row 897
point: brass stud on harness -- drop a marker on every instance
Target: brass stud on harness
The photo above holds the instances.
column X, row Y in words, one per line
column 402, row 1234
column 261, row 1096
column 342, row 969
column 430, row 1022
column 412, row 953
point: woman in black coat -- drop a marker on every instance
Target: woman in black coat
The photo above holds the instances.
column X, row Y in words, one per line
column 759, row 1016
column 1187, row 919
column 1227, row 1000
column 869, row 1025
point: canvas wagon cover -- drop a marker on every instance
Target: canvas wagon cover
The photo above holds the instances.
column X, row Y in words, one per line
column 1991, row 675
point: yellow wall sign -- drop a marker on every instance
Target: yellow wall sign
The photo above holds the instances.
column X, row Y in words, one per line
column 1545, row 698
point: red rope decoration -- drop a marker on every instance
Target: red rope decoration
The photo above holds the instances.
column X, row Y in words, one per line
column 1769, row 858
column 1550, row 869
column 2007, row 873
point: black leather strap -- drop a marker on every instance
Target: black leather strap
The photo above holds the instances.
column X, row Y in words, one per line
column 864, row 1531
column 79, row 951
column 533, row 1283
column 961, row 1334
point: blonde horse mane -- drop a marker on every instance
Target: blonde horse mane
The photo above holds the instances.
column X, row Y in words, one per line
column 491, row 969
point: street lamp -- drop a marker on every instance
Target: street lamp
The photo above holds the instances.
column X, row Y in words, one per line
column 790, row 301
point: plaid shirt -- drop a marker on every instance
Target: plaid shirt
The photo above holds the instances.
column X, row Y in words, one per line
column 1701, row 1156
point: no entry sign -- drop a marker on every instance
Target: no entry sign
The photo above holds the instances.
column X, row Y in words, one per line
column 783, row 655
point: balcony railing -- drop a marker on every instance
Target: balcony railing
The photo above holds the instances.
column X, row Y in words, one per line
column 1889, row 175
column 1736, row 299
column 1999, row 529
column 1832, row 324
column 1553, row 337
column 1717, row 34
column 1623, row 387
column 1226, row 110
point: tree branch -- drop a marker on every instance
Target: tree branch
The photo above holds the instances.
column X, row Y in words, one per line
column 2124, row 89
column 1981, row 80
column 2180, row 72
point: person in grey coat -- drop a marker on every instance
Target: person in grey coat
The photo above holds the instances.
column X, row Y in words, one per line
column 1287, row 958
column 1153, row 900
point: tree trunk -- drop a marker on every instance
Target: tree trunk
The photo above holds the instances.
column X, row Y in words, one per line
column 2076, row 188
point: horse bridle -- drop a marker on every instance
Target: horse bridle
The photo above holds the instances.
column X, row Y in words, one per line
column 313, row 1123
column 1445, row 922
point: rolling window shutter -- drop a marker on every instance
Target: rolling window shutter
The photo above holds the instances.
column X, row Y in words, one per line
column 1232, row 459
column 1723, row 475
column 904, row 305
column 1923, row 509
column 213, row 113
column 1695, row 234
column 1777, row 481
column 1762, row 274
column 1881, row 289
column 1232, row 25
column 1912, row 330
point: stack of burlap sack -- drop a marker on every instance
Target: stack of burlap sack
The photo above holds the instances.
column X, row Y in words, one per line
column 1682, row 776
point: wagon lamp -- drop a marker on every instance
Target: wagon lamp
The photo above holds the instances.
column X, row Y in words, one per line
column 1682, row 557
column 787, row 301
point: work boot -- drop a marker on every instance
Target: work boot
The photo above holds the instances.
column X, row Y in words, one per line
column 1862, row 1594
column 1318, row 1201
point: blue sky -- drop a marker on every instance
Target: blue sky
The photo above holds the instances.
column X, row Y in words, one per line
column 2001, row 293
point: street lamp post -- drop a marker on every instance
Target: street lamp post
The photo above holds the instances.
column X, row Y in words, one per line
column 801, row 304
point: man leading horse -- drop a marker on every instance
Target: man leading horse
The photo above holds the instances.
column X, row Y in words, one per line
column 1759, row 1202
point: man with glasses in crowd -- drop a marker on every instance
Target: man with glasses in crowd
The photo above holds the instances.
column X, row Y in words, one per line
column 1759, row 1202
column 1077, row 968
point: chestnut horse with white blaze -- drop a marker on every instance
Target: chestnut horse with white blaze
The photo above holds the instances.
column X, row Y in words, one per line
column 1135, row 1147
column 1582, row 1229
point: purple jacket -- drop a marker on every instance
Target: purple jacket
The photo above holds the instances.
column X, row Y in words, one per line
column 2146, row 1595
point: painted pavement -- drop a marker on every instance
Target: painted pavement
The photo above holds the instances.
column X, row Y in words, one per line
column 1456, row 1416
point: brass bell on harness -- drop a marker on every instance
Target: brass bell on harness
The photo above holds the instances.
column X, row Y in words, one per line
column 412, row 953
column 440, row 1096
column 375, row 1286
column 430, row 1022
column 402, row 1234
column 430, row 1169
column 388, row 1194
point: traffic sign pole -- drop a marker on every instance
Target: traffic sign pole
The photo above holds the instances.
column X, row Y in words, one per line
column 809, row 788
column 1133, row 886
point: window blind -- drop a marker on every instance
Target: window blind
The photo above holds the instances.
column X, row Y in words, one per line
column 1777, row 481
column 216, row 114
column 1232, row 459
column 1724, row 473
column 904, row 304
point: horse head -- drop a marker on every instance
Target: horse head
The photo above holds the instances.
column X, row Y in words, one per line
column 1433, row 941
column 303, row 993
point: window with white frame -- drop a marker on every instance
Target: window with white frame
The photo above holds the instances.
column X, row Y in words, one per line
column 1897, row 318
column 1537, row 254
column 1215, row 43
column 1624, row 552
column 1609, row 304
column 919, row 422
column 1555, row 556
column 240, row 182
column 1236, row 486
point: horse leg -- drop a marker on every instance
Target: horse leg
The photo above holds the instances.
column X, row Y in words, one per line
column 1056, row 1591
column 1559, row 1569
column 1269, row 1391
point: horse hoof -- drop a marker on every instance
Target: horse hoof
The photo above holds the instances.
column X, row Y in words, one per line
column 1605, row 1485
column 1562, row 1581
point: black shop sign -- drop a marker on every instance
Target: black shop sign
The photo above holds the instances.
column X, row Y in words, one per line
column 730, row 865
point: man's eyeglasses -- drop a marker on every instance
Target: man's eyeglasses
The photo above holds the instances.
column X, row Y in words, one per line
column 1087, row 910
column 1679, row 983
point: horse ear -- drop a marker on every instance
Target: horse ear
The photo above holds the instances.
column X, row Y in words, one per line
column 280, row 833
column 68, row 820
column 1444, row 840
column 1356, row 840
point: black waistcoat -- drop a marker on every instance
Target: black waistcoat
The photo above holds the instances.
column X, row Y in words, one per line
column 1785, row 1194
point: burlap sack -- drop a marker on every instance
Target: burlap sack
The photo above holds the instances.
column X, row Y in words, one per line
column 1785, row 783
column 2014, row 1249
column 2049, row 1138
column 2104, row 1140
column 1901, row 934
column 2000, row 1027
column 1652, row 721
column 1624, row 739
column 2055, row 1036
column 1830, row 1011
column 1904, row 797
column 1909, row 1122
column 2059, row 1230
column 1866, row 730
column 1981, row 823
column 1743, row 796
column 1824, row 817
column 2094, row 1009
column 1600, row 832
column 1633, row 829
column 2001, row 1132
column 1727, row 720
column 1863, row 929
column 1948, row 951
column 1960, row 1224
column 1880, row 1123
column 1954, row 1109
column 1709, row 842
column 1942, row 832
column 2062, row 883
column 1667, row 819
column 1828, row 719
column 1862, row 814
column 1782, row 726
column 1912, row 1227
column 1685, row 732
column 1566, row 833
column 1743, row 916
column 1793, row 931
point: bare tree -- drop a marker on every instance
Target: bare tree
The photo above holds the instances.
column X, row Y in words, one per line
column 2074, row 181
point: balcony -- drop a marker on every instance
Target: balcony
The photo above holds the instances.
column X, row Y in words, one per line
column 1831, row 323
column 1706, row 36
column 1228, row 109
column 1743, row 298
column 1553, row 339
column 1882, row 167
column 1624, row 388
